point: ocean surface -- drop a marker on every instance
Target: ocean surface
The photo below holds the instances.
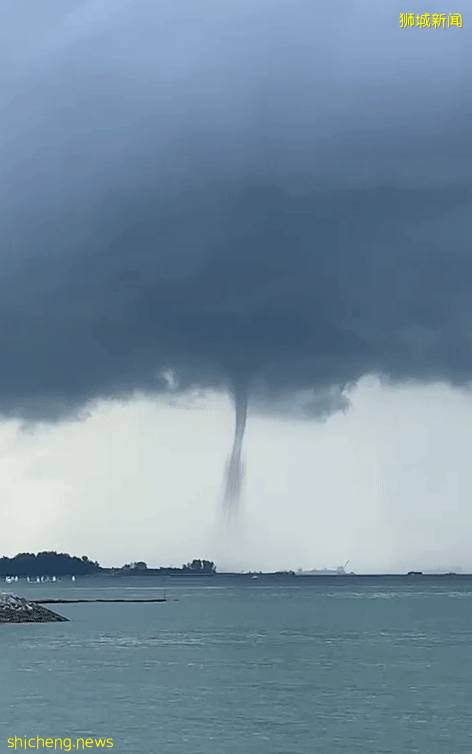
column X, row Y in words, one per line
column 289, row 666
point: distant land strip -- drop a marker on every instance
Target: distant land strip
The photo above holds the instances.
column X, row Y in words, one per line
column 50, row 563
column 97, row 599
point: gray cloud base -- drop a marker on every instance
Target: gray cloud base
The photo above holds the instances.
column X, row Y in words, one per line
column 236, row 196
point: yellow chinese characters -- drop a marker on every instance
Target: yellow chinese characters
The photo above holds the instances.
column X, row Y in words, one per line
column 438, row 19
column 424, row 20
column 407, row 19
column 454, row 19
column 431, row 21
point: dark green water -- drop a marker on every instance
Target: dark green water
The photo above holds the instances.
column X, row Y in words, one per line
column 358, row 666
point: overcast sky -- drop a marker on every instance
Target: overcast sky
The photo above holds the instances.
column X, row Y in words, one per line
column 202, row 195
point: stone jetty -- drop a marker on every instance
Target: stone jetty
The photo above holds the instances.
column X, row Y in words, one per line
column 15, row 609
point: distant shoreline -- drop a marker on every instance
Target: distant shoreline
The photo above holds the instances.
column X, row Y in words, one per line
column 246, row 577
column 52, row 566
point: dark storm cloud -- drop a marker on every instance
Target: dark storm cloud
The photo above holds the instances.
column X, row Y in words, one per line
column 246, row 193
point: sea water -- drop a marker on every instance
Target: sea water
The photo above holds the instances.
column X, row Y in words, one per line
column 226, row 666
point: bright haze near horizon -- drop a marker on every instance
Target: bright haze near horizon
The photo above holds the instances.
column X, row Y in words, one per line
column 204, row 198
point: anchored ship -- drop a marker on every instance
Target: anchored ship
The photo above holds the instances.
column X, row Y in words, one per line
column 339, row 571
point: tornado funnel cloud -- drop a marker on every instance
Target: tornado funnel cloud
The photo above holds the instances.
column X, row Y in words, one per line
column 234, row 475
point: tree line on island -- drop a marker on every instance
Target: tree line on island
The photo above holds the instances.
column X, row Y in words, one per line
column 51, row 563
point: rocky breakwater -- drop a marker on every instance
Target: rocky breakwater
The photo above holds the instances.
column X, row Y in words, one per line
column 15, row 609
